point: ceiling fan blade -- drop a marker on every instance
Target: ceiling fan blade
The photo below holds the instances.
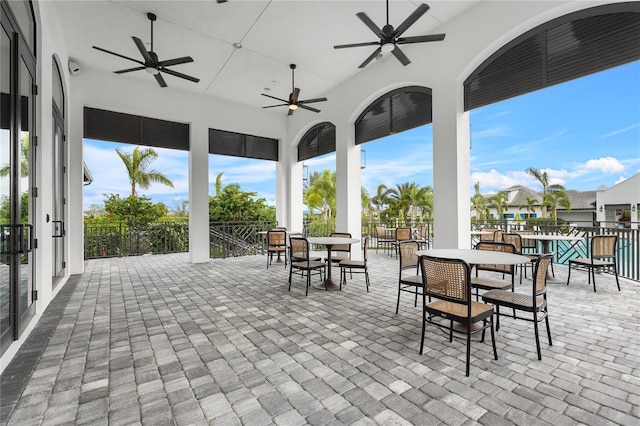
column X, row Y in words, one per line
column 421, row 39
column 179, row 74
column 273, row 106
column 129, row 70
column 277, row 99
column 142, row 49
column 160, row 80
column 369, row 23
column 421, row 10
column 308, row 108
column 290, row 112
column 401, row 56
column 117, row 54
column 368, row 43
column 310, row 101
column 371, row 58
column 176, row 61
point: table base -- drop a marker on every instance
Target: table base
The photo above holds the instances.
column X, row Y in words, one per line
column 327, row 285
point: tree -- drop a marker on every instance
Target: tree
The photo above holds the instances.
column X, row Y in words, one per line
column 530, row 207
column 555, row 199
column 499, row 202
column 543, row 178
column 24, row 159
column 479, row 203
column 219, row 183
column 137, row 163
column 381, row 199
column 233, row 204
column 133, row 210
column 321, row 193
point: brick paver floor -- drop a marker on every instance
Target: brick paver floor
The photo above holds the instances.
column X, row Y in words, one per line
column 155, row 340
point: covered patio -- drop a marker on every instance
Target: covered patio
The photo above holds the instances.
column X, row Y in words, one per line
column 159, row 340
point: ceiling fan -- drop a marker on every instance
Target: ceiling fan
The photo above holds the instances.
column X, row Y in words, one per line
column 390, row 38
column 151, row 63
column 293, row 103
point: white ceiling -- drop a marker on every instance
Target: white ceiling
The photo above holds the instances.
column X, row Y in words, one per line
column 273, row 34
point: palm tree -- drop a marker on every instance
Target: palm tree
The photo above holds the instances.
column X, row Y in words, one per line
column 321, row 193
column 543, row 178
column 137, row 163
column 558, row 198
column 381, row 199
column 219, row 184
column 530, row 207
column 24, row 159
column 479, row 203
column 499, row 202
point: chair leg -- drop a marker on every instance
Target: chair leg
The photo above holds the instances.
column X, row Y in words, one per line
column 497, row 317
column 535, row 327
column 593, row 274
column 615, row 271
column 366, row 278
column 468, row 347
column 424, row 324
column 306, row 293
column 569, row 273
column 493, row 341
column 398, row 303
column 546, row 321
column 290, row 274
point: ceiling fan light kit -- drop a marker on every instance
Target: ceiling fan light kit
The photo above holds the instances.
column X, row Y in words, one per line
column 151, row 63
column 390, row 38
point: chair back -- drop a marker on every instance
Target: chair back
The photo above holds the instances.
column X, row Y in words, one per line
column 489, row 235
column 408, row 257
column 276, row 238
column 603, row 246
column 298, row 249
column 280, row 228
column 496, row 246
column 528, row 243
column 403, row 234
column 365, row 248
column 381, row 232
column 514, row 239
column 423, row 232
column 497, row 235
column 540, row 274
column 447, row 279
column 345, row 248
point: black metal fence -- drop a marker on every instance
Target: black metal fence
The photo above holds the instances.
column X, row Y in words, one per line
column 231, row 239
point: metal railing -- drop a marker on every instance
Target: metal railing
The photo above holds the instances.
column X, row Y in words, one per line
column 231, row 239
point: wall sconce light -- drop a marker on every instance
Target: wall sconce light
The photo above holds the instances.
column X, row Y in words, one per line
column 633, row 207
column 601, row 209
column 305, row 173
column 363, row 159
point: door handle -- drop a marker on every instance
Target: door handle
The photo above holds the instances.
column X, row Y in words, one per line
column 58, row 228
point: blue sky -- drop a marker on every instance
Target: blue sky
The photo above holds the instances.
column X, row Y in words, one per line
column 584, row 133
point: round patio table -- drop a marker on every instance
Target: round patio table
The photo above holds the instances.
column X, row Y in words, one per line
column 475, row 257
column 329, row 242
column 545, row 241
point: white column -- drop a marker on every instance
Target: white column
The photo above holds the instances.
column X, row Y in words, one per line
column 451, row 168
column 75, row 172
column 199, row 194
column 348, row 192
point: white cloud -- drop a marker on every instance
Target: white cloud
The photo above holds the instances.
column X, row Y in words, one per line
column 608, row 165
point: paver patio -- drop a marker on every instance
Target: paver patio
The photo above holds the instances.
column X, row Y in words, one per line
column 156, row 340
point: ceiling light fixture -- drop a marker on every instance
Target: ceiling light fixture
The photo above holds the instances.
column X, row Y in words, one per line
column 387, row 47
column 151, row 70
column 293, row 107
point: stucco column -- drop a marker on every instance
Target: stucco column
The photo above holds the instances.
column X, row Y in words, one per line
column 198, row 193
column 451, row 168
column 348, row 199
column 75, row 221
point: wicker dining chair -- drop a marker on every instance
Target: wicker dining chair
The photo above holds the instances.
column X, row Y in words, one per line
column 447, row 280
column 534, row 303
column 299, row 250
column 402, row 234
column 356, row 266
column 340, row 252
column 603, row 257
column 530, row 247
column 492, row 283
column 409, row 279
column 516, row 240
column 276, row 244
column 382, row 238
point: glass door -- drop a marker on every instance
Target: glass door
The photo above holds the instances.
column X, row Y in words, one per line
column 59, row 233
column 17, row 197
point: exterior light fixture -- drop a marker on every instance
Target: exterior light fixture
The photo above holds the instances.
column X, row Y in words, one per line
column 633, row 207
column 363, row 159
column 305, row 173
column 601, row 209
